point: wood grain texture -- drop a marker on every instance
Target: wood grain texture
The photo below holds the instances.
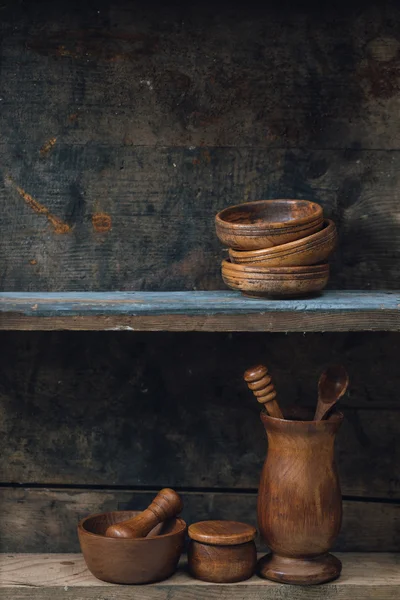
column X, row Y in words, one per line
column 165, row 505
column 299, row 505
column 45, row 520
column 267, row 223
column 49, row 577
column 115, row 409
column 115, row 73
column 222, row 564
column 133, row 560
column 199, row 311
column 270, row 322
column 287, row 282
column 313, row 249
column 142, row 201
column 221, row 533
column 332, row 385
column 260, row 383
column 119, row 147
column 222, row 551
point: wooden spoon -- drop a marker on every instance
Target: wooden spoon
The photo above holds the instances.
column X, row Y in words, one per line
column 331, row 386
column 260, row 383
column 165, row 505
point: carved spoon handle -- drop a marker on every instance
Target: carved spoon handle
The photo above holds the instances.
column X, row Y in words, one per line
column 165, row 505
column 260, row 383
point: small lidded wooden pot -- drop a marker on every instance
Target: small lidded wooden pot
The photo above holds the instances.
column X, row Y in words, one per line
column 222, row 551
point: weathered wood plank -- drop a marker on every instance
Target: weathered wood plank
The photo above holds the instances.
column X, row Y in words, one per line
column 202, row 311
column 118, row 146
column 172, row 450
column 153, row 409
column 49, row 577
column 45, row 520
column 150, row 226
column 118, row 73
column 275, row 322
column 190, row 303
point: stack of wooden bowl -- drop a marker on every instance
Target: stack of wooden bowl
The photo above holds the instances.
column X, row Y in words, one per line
column 276, row 247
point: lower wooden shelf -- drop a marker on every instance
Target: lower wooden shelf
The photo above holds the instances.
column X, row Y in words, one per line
column 51, row 576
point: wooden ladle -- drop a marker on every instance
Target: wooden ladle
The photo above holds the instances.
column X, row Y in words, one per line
column 260, row 383
column 165, row 505
column 331, row 386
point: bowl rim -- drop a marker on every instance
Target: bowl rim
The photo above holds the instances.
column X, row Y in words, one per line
column 268, row 225
column 274, row 278
column 318, row 238
column 263, row 270
column 179, row 520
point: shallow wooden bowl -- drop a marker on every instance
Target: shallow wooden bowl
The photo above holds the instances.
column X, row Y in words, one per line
column 263, row 272
column 309, row 250
column 130, row 561
column 267, row 223
column 278, row 281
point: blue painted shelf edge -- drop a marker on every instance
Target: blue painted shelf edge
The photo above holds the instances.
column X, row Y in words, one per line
column 75, row 304
column 199, row 311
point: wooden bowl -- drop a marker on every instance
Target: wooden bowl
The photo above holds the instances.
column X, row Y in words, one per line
column 267, row 223
column 262, row 272
column 309, row 250
column 275, row 281
column 130, row 561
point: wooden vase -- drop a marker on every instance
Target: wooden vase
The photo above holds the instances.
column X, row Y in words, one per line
column 299, row 500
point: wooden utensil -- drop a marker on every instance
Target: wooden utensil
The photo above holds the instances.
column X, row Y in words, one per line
column 266, row 223
column 331, row 387
column 165, row 505
column 260, row 383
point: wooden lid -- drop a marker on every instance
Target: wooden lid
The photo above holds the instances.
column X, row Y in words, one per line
column 222, row 533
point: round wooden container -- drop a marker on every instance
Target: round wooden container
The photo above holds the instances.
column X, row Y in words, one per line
column 130, row 560
column 222, row 551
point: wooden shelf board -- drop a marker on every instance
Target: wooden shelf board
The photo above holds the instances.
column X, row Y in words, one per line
column 52, row 576
column 199, row 311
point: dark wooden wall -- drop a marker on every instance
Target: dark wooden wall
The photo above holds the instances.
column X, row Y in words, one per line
column 124, row 127
column 97, row 421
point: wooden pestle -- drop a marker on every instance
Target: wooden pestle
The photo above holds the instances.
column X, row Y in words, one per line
column 165, row 505
column 260, row 383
